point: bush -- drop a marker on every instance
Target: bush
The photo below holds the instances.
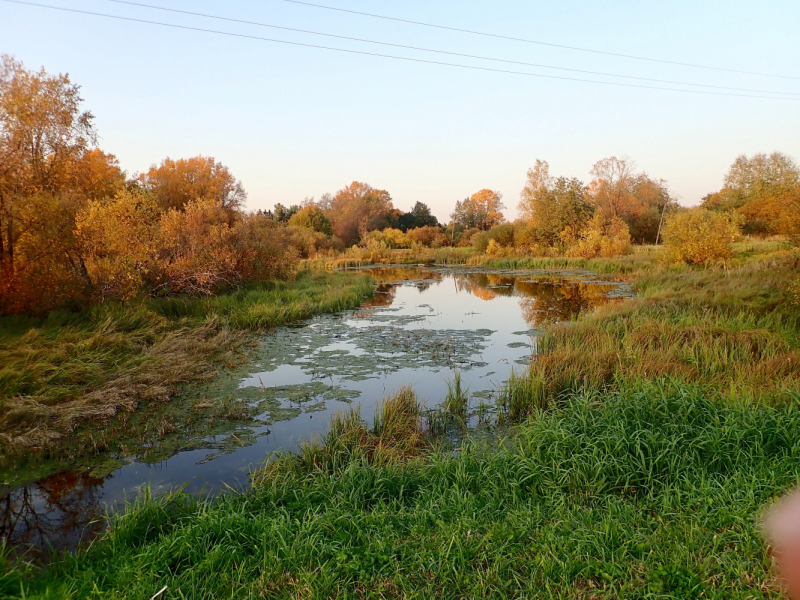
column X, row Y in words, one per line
column 699, row 236
column 428, row 236
column 389, row 237
column 604, row 236
column 502, row 236
column 467, row 236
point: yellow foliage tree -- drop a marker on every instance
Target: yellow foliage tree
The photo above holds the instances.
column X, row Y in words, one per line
column 605, row 236
column 699, row 236
column 121, row 244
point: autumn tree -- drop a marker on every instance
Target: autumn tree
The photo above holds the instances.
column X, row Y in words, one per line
column 482, row 210
column 177, row 182
column 762, row 176
column 617, row 190
column 96, row 175
column 312, row 218
column 555, row 210
column 357, row 209
column 755, row 188
column 43, row 132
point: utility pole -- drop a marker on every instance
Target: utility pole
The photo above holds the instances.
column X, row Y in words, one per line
column 661, row 222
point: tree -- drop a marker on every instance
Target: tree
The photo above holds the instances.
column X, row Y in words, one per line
column 554, row 210
column 312, row 218
column 762, row 176
column 43, row 132
column 482, row 210
column 612, row 186
column 97, row 175
column 538, row 183
column 283, row 214
column 358, row 209
column 419, row 216
column 618, row 191
column 177, row 182
column 755, row 188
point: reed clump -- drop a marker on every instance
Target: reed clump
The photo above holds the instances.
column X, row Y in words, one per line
column 397, row 435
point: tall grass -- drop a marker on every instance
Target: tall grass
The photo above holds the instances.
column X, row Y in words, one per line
column 731, row 328
column 396, row 436
column 72, row 371
column 650, row 491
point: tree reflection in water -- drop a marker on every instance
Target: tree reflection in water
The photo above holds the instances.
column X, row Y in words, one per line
column 545, row 302
column 53, row 514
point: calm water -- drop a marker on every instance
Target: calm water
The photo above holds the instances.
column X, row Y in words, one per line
column 422, row 324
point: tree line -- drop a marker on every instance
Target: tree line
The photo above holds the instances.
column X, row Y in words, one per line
column 76, row 229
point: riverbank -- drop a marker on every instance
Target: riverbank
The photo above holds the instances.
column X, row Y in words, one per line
column 649, row 436
column 98, row 380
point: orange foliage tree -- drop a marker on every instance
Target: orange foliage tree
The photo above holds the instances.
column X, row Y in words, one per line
column 482, row 210
column 72, row 229
column 758, row 189
column 357, row 209
column 177, row 182
column 618, row 190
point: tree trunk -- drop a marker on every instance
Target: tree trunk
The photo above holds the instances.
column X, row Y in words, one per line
column 10, row 248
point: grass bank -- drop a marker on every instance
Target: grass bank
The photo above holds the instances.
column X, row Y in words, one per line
column 365, row 257
column 650, row 491
column 735, row 328
column 69, row 381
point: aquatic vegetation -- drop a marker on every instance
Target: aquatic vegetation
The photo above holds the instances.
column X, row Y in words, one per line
column 80, row 383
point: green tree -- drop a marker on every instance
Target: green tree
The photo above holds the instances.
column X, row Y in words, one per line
column 313, row 218
column 554, row 210
column 282, row 214
column 419, row 216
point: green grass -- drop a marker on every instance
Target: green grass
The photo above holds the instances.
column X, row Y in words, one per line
column 651, row 491
column 63, row 378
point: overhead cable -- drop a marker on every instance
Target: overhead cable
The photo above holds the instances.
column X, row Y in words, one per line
column 445, row 52
column 390, row 56
column 539, row 42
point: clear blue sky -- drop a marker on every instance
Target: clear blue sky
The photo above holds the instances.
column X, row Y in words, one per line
column 293, row 122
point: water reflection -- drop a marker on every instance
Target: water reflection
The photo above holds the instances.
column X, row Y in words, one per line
column 53, row 514
column 421, row 324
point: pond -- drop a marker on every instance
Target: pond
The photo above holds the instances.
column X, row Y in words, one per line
column 422, row 326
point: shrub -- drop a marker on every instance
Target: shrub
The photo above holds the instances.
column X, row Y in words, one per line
column 391, row 238
column 467, row 236
column 699, row 236
column 604, row 236
column 428, row 236
column 502, row 236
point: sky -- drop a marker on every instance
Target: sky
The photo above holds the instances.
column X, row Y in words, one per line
column 293, row 121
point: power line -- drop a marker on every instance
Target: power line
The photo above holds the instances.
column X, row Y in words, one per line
column 501, row 60
column 390, row 56
column 529, row 41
